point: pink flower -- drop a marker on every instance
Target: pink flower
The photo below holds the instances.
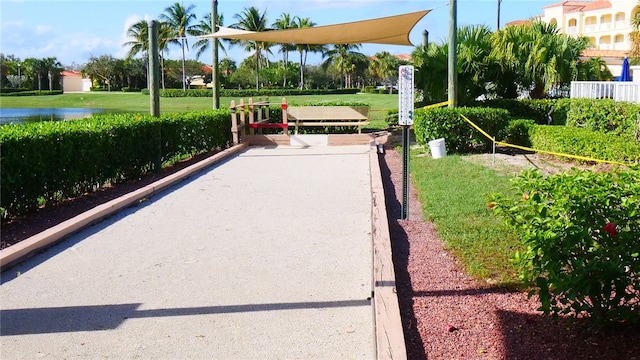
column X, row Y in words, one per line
column 610, row 228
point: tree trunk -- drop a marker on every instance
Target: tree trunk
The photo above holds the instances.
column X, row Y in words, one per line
column 184, row 76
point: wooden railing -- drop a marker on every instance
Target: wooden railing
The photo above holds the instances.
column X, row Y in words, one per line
column 616, row 90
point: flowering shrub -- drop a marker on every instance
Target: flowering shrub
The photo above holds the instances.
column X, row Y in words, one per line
column 581, row 232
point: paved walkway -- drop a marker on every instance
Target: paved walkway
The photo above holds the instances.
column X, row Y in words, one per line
column 265, row 256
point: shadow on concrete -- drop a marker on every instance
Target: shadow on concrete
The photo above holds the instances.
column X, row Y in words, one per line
column 107, row 317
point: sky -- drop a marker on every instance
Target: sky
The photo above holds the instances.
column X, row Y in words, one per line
column 74, row 30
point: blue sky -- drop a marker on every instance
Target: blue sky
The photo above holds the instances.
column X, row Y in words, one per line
column 74, row 30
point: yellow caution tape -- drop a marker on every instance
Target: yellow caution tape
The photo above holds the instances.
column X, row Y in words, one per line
column 441, row 104
column 540, row 151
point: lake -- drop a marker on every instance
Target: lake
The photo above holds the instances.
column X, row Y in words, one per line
column 26, row 115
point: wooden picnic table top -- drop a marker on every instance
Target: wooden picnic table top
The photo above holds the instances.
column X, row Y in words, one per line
column 324, row 113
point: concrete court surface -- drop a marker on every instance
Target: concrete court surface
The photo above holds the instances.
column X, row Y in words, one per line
column 264, row 256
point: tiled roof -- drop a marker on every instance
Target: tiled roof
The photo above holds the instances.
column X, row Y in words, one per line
column 605, row 53
column 71, row 73
column 567, row 3
column 518, row 23
column 598, row 4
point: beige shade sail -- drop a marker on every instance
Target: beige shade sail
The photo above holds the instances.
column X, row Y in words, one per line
column 391, row 30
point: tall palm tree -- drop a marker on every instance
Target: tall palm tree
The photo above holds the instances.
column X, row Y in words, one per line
column 339, row 54
column 204, row 28
column 250, row 19
column 179, row 19
column 304, row 49
column 384, row 66
column 139, row 33
column 285, row 21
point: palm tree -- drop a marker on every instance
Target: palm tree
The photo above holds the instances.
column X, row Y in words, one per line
column 384, row 66
column 284, row 22
column 430, row 63
column 635, row 35
column 204, row 28
column 304, row 49
column 339, row 55
column 139, row 32
column 250, row 19
column 539, row 56
column 179, row 20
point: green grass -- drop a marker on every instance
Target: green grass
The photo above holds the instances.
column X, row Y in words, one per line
column 137, row 102
column 453, row 193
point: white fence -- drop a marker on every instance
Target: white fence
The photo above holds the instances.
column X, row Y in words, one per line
column 616, row 90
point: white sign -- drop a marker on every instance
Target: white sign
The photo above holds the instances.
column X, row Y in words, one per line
column 406, row 95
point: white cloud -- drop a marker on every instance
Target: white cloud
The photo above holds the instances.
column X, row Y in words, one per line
column 42, row 29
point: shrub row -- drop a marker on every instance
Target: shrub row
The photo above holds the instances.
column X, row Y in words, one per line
column 460, row 137
column 605, row 115
column 580, row 231
column 31, row 93
column 585, row 142
column 234, row 93
column 47, row 162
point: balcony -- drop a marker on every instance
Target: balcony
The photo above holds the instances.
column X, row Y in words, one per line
column 589, row 28
column 619, row 24
column 572, row 30
column 616, row 90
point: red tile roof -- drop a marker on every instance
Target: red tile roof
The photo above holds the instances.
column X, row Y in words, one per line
column 518, row 23
column 71, row 73
column 567, row 3
column 598, row 4
column 605, row 53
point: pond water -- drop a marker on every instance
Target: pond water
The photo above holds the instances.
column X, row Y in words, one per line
column 27, row 115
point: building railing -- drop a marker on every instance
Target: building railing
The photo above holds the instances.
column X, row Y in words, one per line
column 616, row 90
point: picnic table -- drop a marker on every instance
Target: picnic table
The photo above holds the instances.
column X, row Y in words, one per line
column 326, row 116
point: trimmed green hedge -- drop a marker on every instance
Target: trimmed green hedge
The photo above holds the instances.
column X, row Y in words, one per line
column 605, row 115
column 31, row 93
column 535, row 109
column 585, row 142
column 460, row 137
column 234, row 93
column 46, row 162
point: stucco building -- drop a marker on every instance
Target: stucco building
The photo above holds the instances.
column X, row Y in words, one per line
column 607, row 23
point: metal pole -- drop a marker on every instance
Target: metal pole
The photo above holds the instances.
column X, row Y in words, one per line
column 425, row 38
column 215, row 69
column 154, row 70
column 498, row 27
column 453, row 56
column 405, row 172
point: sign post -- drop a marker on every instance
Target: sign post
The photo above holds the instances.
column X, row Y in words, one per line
column 405, row 118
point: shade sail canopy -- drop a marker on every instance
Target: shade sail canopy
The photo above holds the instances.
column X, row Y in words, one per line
column 391, row 30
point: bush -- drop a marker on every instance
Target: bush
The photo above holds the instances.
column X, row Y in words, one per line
column 535, row 109
column 460, row 137
column 46, row 162
column 517, row 132
column 234, row 93
column 369, row 89
column 605, row 115
column 31, row 93
column 585, row 142
column 580, row 230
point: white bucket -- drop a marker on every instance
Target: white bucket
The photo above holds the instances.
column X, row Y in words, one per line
column 437, row 148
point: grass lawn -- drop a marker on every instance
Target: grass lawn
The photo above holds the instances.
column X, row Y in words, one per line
column 137, row 102
column 453, row 193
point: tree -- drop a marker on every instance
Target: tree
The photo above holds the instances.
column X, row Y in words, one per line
column 304, row 49
column 540, row 57
column 204, row 28
column 101, row 69
column 250, row 19
column 635, row 35
column 284, row 22
column 430, row 64
column 179, row 18
column 139, row 43
column 384, row 67
column 339, row 54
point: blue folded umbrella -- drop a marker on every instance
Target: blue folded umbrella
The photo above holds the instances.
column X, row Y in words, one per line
column 625, row 75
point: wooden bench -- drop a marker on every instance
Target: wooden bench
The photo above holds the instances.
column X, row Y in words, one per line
column 326, row 116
